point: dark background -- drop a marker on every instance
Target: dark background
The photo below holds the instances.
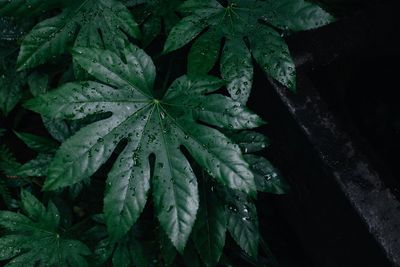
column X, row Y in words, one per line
column 353, row 64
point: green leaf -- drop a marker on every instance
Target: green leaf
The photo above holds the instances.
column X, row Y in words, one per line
column 184, row 32
column 158, row 17
column 296, row 15
column 191, row 257
column 38, row 143
column 5, row 192
column 36, row 167
column 53, row 36
column 47, row 39
column 102, row 252
column 204, row 53
column 249, row 141
column 210, row 227
column 241, row 20
column 268, row 179
column 149, row 126
column 151, row 29
column 8, row 163
column 127, row 251
column 35, row 238
column 38, row 83
column 272, row 54
column 243, row 222
column 21, row 8
column 58, row 129
column 237, row 69
column 121, row 256
column 10, row 88
column 167, row 249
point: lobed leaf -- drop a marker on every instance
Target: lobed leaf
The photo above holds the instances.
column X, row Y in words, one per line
column 210, row 227
column 78, row 25
column 149, row 126
column 243, row 223
column 37, row 143
column 241, row 20
column 35, row 239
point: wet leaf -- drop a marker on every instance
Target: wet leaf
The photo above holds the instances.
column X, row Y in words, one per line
column 90, row 23
column 243, row 222
column 38, row 143
column 35, row 237
column 267, row 177
column 240, row 20
column 210, row 227
column 150, row 126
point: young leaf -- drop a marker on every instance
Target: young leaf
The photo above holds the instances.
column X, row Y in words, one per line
column 82, row 20
column 240, row 20
column 150, row 127
column 210, row 227
column 34, row 239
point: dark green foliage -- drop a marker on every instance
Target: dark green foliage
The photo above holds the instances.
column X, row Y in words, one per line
column 170, row 161
column 154, row 15
column 150, row 126
column 34, row 238
column 248, row 27
column 88, row 23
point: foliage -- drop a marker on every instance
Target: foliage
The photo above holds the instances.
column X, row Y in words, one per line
column 35, row 238
column 140, row 163
column 249, row 27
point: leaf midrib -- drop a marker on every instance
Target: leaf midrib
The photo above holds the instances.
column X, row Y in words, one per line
column 139, row 142
column 126, row 119
column 169, row 165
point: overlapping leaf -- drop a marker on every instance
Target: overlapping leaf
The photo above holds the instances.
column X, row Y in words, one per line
column 20, row 8
column 148, row 126
column 250, row 27
column 210, row 227
column 90, row 23
column 34, row 239
column 10, row 87
column 154, row 15
column 243, row 222
column 267, row 177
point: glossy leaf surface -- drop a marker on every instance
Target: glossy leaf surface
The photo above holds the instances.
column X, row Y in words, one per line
column 210, row 227
column 240, row 20
column 34, row 238
column 91, row 23
column 149, row 127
